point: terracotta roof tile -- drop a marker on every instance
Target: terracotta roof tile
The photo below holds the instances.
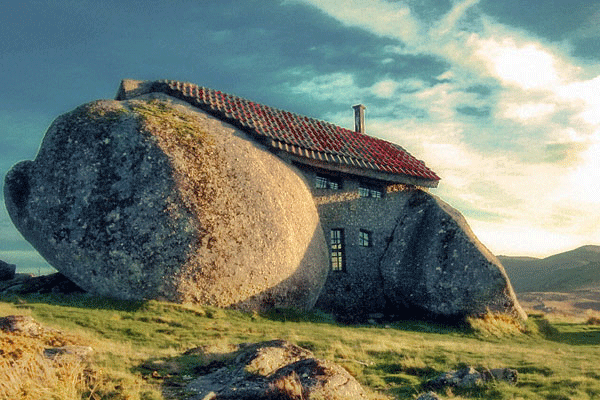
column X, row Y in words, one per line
column 308, row 137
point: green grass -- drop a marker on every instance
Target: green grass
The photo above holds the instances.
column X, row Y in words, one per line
column 139, row 344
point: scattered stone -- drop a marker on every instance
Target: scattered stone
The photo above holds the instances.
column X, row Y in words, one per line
column 7, row 271
column 80, row 352
column 469, row 377
column 22, row 324
column 154, row 199
column 276, row 370
column 508, row 375
column 429, row 396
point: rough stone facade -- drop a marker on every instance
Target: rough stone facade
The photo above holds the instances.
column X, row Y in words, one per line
column 422, row 259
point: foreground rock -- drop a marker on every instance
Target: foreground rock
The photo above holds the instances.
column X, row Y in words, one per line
column 276, row 370
column 153, row 199
column 7, row 271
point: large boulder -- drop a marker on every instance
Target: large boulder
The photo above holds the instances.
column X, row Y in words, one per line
column 152, row 198
column 435, row 264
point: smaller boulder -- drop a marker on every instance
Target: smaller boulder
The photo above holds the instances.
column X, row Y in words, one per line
column 79, row 352
column 508, row 375
column 429, row 396
column 469, row 377
column 7, row 271
column 27, row 284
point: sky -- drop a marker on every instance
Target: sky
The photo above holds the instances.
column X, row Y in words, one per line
column 500, row 98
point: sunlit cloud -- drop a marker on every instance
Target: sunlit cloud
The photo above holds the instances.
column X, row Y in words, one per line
column 528, row 66
column 529, row 111
column 380, row 17
column 385, row 88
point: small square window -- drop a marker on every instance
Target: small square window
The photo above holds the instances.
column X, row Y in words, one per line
column 363, row 192
column 370, row 191
column 321, row 182
column 364, row 238
column 328, row 182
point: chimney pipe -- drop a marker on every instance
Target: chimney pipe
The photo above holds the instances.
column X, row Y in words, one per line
column 359, row 118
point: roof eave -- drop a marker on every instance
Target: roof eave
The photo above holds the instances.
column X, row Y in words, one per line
column 391, row 178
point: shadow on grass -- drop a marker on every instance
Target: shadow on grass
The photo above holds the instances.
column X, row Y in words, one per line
column 568, row 333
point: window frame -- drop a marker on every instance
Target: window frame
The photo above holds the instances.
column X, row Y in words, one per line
column 365, row 238
column 337, row 249
column 328, row 182
column 370, row 191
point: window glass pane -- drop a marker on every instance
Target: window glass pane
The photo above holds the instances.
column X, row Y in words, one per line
column 364, row 238
column 376, row 193
column 337, row 249
column 321, row 182
column 368, row 191
column 326, row 182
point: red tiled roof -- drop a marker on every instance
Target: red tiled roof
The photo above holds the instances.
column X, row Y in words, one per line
column 300, row 135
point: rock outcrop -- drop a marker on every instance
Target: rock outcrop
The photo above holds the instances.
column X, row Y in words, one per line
column 154, row 199
column 434, row 263
column 276, row 369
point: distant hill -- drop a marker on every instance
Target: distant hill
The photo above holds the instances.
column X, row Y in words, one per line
column 564, row 272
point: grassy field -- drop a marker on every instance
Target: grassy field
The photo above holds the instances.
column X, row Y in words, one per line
column 139, row 350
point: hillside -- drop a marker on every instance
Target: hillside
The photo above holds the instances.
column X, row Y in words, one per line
column 563, row 272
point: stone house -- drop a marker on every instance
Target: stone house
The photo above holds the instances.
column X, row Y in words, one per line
column 366, row 191
column 356, row 179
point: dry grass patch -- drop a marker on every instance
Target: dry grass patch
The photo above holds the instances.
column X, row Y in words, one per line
column 26, row 373
column 497, row 325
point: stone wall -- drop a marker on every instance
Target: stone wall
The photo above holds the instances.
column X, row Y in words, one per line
column 424, row 260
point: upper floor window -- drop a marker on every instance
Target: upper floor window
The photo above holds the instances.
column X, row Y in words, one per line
column 370, row 191
column 328, row 182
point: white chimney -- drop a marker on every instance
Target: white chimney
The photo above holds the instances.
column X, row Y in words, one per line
column 359, row 118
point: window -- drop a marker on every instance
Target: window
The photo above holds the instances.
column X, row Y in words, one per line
column 328, row 182
column 370, row 191
column 337, row 250
column 364, row 238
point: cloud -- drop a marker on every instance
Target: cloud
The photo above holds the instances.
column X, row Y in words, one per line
column 338, row 87
column 529, row 111
column 512, row 125
column 385, row 88
column 528, row 66
column 380, row 17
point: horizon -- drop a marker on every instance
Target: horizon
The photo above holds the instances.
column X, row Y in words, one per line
column 499, row 99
